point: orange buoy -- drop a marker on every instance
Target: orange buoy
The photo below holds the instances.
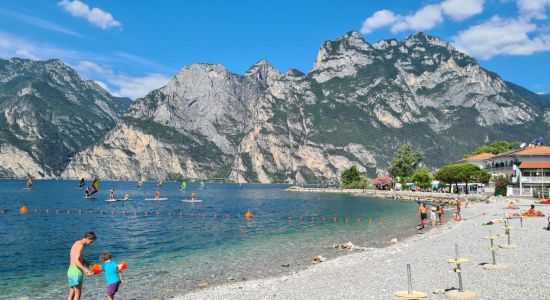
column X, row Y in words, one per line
column 248, row 214
column 121, row 267
column 23, row 210
column 96, row 269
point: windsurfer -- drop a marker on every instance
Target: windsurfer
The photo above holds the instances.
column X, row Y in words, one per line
column 29, row 182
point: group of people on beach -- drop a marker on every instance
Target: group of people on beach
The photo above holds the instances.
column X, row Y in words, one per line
column 436, row 213
column 78, row 267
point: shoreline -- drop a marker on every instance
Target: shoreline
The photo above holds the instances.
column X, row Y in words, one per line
column 431, row 197
column 378, row 272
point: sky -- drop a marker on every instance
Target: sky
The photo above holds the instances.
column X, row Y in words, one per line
column 132, row 47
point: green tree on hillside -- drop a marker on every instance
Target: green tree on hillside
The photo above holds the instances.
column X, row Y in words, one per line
column 405, row 162
column 422, row 178
column 496, row 147
column 350, row 175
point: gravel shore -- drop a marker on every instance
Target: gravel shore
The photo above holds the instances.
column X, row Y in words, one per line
column 378, row 273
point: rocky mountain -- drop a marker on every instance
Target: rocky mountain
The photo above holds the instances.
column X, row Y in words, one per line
column 355, row 107
column 48, row 114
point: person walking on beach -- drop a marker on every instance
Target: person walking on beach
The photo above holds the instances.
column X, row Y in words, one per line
column 113, row 276
column 440, row 213
column 458, row 206
column 423, row 211
column 78, row 266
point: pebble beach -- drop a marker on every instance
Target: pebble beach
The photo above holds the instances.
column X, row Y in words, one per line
column 378, row 273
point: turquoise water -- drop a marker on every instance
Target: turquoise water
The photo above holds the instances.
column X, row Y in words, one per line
column 168, row 254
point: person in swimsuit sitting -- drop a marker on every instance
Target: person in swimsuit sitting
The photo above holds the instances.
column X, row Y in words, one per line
column 512, row 205
column 532, row 212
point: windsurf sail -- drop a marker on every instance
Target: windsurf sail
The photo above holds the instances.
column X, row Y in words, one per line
column 29, row 182
column 183, row 185
column 82, row 183
column 93, row 188
column 202, row 185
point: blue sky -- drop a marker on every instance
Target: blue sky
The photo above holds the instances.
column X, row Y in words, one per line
column 132, row 47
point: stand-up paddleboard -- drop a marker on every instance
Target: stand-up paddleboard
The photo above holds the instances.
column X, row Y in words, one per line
column 191, row 201
column 153, row 199
column 119, row 199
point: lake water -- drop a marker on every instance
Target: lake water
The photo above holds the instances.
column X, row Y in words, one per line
column 171, row 254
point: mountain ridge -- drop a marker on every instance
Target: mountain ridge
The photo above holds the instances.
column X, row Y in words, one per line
column 48, row 114
column 356, row 105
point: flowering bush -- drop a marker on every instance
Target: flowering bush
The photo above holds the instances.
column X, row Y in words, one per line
column 382, row 182
column 500, row 186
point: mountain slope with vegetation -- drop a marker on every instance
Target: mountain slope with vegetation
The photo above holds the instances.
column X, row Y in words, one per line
column 48, row 114
column 357, row 105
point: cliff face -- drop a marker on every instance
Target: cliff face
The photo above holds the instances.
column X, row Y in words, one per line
column 355, row 107
column 47, row 114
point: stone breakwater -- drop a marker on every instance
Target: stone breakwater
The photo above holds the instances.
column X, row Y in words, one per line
column 399, row 195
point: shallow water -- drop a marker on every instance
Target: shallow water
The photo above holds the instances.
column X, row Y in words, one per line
column 168, row 254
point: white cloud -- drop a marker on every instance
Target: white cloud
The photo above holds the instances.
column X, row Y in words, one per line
column 13, row 46
column 121, row 85
column 116, row 83
column 460, row 10
column 136, row 87
column 24, row 53
column 37, row 22
column 95, row 16
column 501, row 37
column 103, row 85
column 534, row 9
column 424, row 19
column 379, row 19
